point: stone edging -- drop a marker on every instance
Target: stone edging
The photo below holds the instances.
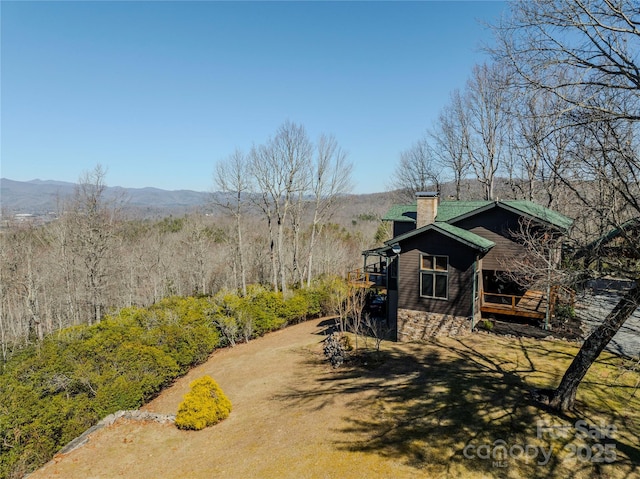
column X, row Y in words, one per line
column 134, row 414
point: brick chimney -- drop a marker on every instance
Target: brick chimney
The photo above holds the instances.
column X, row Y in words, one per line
column 427, row 208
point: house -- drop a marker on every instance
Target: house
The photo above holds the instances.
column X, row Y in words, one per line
column 444, row 267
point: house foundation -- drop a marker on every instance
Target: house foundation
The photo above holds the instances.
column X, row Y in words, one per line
column 417, row 325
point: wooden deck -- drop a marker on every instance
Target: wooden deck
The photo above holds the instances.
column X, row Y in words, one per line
column 533, row 304
column 367, row 279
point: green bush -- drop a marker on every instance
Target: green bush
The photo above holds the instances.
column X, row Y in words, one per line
column 332, row 292
column 296, row 308
column 229, row 315
column 314, row 299
column 54, row 390
column 203, row 406
column 564, row 312
column 266, row 308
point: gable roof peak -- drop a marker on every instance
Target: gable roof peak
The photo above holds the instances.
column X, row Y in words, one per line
column 463, row 236
column 453, row 210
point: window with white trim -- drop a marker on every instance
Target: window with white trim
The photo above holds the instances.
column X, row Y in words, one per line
column 434, row 276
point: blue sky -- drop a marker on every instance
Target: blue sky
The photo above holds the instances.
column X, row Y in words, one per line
column 158, row 92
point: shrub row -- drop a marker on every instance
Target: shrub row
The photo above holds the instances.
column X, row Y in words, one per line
column 262, row 310
column 53, row 391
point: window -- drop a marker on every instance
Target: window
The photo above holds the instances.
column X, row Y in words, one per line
column 434, row 276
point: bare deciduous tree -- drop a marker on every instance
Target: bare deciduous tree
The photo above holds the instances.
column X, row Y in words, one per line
column 330, row 180
column 488, row 122
column 233, row 179
column 418, row 170
column 281, row 168
column 451, row 138
column 585, row 53
column 540, row 146
column 91, row 220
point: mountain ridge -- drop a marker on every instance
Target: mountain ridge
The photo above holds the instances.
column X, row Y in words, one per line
column 46, row 197
column 39, row 197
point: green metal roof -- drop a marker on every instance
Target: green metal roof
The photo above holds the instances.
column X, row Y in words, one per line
column 406, row 213
column 467, row 237
column 541, row 213
column 451, row 210
column 447, row 210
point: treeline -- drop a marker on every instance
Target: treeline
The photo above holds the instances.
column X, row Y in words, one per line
column 93, row 260
column 53, row 390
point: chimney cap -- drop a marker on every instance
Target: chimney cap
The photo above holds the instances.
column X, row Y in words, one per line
column 426, row 194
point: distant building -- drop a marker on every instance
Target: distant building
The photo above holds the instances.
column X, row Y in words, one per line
column 24, row 217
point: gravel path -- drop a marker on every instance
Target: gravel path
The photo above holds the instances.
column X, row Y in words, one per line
column 598, row 300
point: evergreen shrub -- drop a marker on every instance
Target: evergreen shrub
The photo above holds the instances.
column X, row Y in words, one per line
column 266, row 308
column 204, row 405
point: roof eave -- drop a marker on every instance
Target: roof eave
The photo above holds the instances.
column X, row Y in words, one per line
column 382, row 251
column 513, row 209
column 410, row 234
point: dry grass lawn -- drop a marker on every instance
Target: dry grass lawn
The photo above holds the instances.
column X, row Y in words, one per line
column 427, row 410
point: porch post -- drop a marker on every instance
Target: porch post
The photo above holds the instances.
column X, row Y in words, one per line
column 386, row 303
column 474, row 298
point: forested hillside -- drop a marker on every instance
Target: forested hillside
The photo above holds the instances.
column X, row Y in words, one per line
column 95, row 259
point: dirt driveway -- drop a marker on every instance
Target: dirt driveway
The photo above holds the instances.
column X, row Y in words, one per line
column 260, row 378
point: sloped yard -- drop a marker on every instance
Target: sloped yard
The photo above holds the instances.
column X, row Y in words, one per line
column 450, row 408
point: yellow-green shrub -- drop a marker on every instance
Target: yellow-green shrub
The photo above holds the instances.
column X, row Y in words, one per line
column 295, row 308
column 204, row 405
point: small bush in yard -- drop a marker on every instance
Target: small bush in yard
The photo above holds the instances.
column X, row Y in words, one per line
column 204, row 405
column 487, row 324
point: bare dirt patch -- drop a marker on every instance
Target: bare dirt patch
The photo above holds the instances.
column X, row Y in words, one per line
column 410, row 416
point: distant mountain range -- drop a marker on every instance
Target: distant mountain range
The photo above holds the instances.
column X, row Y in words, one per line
column 40, row 197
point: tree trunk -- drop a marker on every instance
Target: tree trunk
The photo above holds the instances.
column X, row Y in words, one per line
column 281, row 268
column 272, row 256
column 243, row 273
column 564, row 396
column 312, row 243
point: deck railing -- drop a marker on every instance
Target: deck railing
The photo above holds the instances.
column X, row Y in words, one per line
column 364, row 276
column 532, row 304
column 503, row 300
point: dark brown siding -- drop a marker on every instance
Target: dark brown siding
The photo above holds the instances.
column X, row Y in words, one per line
column 402, row 227
column 498, row 226
column 461, row 260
